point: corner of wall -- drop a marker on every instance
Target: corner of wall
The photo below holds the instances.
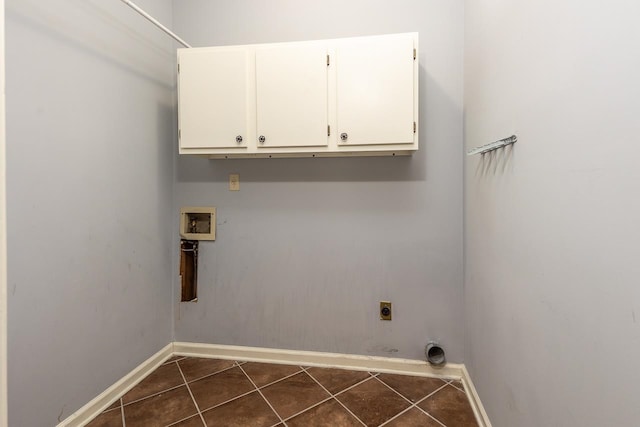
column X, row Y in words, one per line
column 3, row 235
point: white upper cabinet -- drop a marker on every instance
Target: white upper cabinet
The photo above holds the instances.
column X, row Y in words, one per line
column 213, row 87
column 375, row 90
column 291, row 95
column 342, row 97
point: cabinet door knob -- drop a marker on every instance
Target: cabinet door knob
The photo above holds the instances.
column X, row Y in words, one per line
column 262, row 139
column 239, row 139
column 344, row 136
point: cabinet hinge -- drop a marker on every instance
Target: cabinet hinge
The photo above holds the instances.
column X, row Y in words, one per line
column 414, row 127
column 178, row 68
column 328, row 130
column 328, row 61
column 179, row 133
column 414, row 53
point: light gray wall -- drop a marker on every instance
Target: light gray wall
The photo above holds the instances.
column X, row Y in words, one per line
column 308, row 247
column 90, row 119
column 551, row 290
column 3, row 236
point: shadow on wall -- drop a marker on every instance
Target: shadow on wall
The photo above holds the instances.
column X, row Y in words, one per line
column 102, row 41
column 340, row 169
column 496, row 162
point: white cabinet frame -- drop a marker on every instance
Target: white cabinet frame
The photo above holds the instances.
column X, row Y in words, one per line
column 334, row 147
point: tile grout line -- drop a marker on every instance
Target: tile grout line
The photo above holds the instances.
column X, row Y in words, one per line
column 456, row 387
column 113, row 409
column 414, row 405
column 431, row 394
column 217, row 405
column 451, row 383
column 247, row 393
column 396, row 416
column 210, row 374
column 174, row 361
column 411, row 404
column 310, row 407
column 397, row 392
column 265, row 399
column 281, row 379
column 333, row 396
column 351, row 386
column 236, row 364
column 425, row 398
column 432, row 417
column 124, row 423
column 181, row 420
column 151, row 395
column 191, row 394
column 417, row 401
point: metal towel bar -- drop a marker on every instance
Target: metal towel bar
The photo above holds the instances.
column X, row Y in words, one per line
column 493, row 145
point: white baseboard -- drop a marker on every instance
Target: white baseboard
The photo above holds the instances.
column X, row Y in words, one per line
column 474, row 399
column 312, row 358
column 92, row 409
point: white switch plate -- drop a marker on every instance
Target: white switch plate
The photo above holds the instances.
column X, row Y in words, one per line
column 234, row 182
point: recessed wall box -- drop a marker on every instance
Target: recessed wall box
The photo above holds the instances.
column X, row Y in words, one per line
column 198, row 223
column 385, row 310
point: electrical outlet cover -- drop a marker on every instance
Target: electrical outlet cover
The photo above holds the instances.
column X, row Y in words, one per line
column 385, row 310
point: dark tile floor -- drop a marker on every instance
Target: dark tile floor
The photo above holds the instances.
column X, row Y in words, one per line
column 188, row 392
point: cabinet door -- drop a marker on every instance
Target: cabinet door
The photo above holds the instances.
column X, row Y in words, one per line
column 213, row 86
column 291, row 85
column 375, row 79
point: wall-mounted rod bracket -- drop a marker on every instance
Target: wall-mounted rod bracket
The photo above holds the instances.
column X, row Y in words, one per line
column 155, row 22
column 493, row 145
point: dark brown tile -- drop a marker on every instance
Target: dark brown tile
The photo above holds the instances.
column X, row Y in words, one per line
column 194, row 421
column 219, row 388
column 173, row 359
column 295, row 394
column 194, row 368
column 336, row 380
column 163, row 378
column 107, row 419
column 458, row 384
column 161, row 409
column 373, row 402
column 114, row 405
column 413, row 418
column 451, row 407
column 266, row 373
column 250, row 411
column 413, row 388
column 329, row 413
